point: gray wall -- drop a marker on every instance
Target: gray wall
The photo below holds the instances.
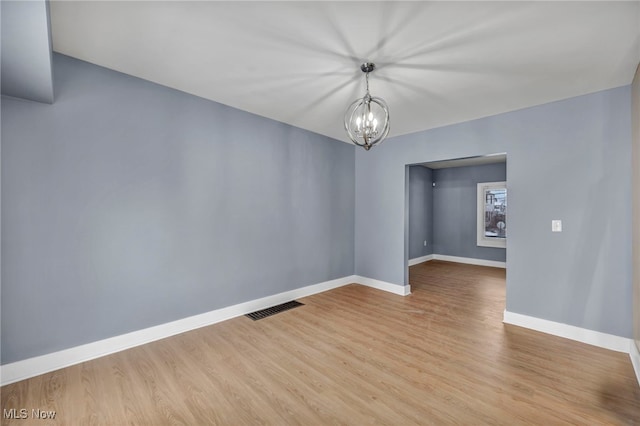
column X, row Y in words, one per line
column 127, row 204
column 420, row 211
column 568, row 160
column 635, row 111
column 455, row 210
column 26, row 50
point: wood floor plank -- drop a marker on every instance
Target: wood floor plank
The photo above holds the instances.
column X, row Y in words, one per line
column 351, row 356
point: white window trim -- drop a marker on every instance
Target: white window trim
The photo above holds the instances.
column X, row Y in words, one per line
column 481, row 239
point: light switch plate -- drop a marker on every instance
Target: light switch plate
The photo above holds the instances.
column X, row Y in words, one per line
column 556, row 225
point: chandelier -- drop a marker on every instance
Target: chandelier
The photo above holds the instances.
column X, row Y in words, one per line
column 367, row 120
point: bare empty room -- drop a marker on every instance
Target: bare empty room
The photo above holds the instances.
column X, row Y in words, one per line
column 320, row 212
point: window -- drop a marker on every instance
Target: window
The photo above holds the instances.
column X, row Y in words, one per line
column 492, row 214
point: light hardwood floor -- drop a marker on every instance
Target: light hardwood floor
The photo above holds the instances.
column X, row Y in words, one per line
column 353, row 355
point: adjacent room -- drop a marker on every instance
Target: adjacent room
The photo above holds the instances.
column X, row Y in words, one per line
column 458, row 211
column 218, row 212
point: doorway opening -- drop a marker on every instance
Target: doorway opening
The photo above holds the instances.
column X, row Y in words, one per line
column 448, row 205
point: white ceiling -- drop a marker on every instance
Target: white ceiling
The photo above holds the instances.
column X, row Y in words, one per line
column 298, row 62
column 469, row 161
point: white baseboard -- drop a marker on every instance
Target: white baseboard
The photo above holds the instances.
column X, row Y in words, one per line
column 635, row 359
column 20, row 370
column 383, row 285
column 470, row 261
column 595, row 338
column 417, row 260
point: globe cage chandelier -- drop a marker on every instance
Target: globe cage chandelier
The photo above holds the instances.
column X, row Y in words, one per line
column 367, row 120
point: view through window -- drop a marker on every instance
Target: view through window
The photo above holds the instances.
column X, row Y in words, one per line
column 492, row 214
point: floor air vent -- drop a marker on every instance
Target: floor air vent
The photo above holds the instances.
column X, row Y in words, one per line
column 274, row 310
